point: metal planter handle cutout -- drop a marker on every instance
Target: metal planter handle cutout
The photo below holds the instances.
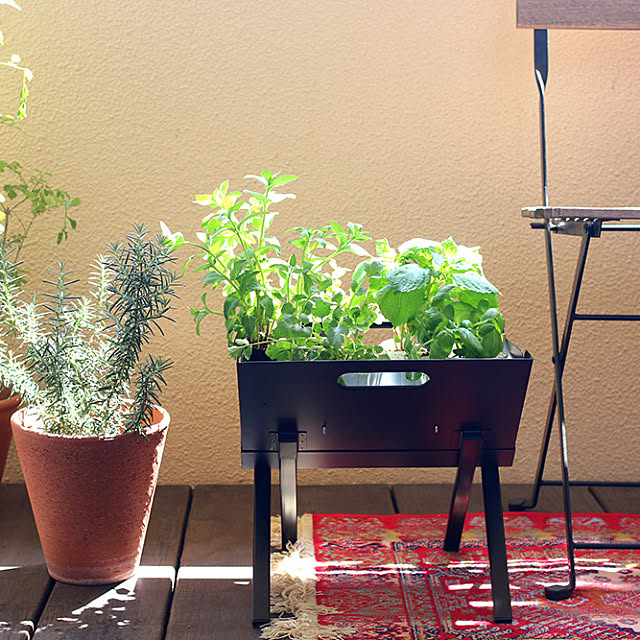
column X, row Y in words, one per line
column 376, row 379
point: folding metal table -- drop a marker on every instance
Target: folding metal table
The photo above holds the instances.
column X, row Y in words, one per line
column 583, row 222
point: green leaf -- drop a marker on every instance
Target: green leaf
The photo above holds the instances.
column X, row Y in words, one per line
column 321, row 308
column 474, row 282
column 470, row 342
column 278, row 181
column 336, row 228
column 248, row 324
column 239, row 349
column 260, row 179
column 463, row 312
column 407, row 278
column 441, row 345
column 442, row 295
column 431, row 319
column 480, row 301
column 449, row 248
column 335, row 336
column 384, row 250
column 214, row 278
column 230, row 305
column 399, row 308
column 490, row 314
column 268, row 306
column 359, row 251
column 492, row 343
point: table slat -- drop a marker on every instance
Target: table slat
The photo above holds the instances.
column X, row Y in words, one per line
column 578, row 14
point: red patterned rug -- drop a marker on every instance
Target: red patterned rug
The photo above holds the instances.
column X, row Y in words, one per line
column 387, row 577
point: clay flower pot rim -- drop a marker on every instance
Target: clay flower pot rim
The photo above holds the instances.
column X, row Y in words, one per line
column 26, row 420
column 8, row 398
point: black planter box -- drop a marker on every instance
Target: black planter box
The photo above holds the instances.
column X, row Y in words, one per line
column 380, row 426
column 458, row 412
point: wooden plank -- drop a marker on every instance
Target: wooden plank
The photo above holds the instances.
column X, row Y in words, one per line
column 372, row 498
column 618, row 499
column 214, row 577
column 212, row 598
column 436, row 498
column 578, row 14
column 24, row 581
column 136, row 608
column 551, row 498
column 428, row 498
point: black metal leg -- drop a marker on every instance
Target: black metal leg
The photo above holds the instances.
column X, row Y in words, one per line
column 561, row 591
column 261, row 541
column 288, row 456
column 562, row 356
column 469, row 454
column 496, row 542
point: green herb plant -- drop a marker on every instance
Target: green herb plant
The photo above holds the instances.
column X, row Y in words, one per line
column 77, row 361
column 24, row 198
column 294, row 302
column 285, row 302
column 14, row 63
column 436, row 297
column 26, row 195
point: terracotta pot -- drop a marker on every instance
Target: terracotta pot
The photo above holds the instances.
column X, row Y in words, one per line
column 8, row 404
column 91, row 497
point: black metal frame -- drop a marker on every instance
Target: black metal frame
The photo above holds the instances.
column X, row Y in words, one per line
column 586, row 229
column 296, row 414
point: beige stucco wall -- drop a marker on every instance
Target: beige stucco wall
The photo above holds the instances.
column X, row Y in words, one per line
column 414, row 118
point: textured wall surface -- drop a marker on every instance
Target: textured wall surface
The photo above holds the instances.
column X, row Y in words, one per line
column 413, row 118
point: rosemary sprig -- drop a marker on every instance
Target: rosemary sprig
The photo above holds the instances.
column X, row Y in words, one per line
column 77, row 360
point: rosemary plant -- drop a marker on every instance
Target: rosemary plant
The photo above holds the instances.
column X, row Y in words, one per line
column 77, row 361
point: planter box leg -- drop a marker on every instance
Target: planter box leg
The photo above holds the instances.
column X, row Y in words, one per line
column 261, row 541
column 469, row 454
column 288, row 457
column 496, row 543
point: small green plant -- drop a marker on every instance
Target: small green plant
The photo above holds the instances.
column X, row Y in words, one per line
column 14, row 63
column 436, row 297
column 77, row 360
column 295, row 303
column 287, row 303
column 25, row 198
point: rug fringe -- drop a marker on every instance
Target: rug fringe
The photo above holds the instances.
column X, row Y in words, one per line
column 293, row 591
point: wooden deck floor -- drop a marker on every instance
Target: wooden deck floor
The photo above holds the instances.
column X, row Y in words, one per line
column 194, row 580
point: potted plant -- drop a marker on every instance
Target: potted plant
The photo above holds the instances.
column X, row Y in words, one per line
column 24, row 197
column 91, row 435
column 316, row 390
